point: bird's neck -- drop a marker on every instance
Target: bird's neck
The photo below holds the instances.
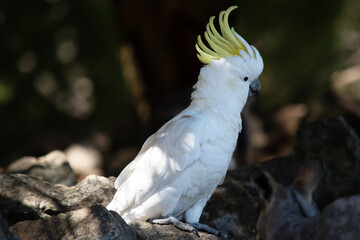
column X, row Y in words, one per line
column 214, row 94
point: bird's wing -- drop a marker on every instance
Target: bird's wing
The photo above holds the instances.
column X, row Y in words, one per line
column 130, row 167
column 162, row 158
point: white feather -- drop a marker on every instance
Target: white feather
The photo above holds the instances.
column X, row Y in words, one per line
column 179, row 167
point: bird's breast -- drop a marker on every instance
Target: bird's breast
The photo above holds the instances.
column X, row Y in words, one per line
column 206, row 173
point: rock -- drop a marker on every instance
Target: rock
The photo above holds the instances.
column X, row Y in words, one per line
column 94, row 222
column 53, row 168
column 4, row 231
column 71, row 212
column 335, row 142
column 233, row 208
column 332, row 139
column 24, row 197
column 147, row 231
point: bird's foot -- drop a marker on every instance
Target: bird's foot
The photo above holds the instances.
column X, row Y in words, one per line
column 211, row 230
column 174, row 221
column 188, row 227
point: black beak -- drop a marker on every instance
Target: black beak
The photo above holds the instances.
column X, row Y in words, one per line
column 255, row 88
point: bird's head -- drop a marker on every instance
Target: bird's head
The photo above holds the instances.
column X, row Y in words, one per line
column 229, row 52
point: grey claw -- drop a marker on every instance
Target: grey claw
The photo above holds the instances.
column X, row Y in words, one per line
column 174, row 221
column 188, row 227
column 208, row 229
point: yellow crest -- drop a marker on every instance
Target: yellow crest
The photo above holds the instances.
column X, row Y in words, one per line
column 229, row 43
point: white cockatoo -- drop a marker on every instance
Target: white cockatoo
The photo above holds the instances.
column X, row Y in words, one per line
column 179, row 167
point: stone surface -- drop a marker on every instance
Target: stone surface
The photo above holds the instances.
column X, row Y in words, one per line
column 337, row 144
column 146, row 231
column 233, row 208
column 94, row 222
column 24, row 197
column 53, row 168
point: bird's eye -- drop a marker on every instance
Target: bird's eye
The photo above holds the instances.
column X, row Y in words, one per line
column 246, row 78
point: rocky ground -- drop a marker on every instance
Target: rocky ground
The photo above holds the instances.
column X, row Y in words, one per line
column 40, row 199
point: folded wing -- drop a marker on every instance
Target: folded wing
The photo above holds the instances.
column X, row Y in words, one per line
column 162, row 158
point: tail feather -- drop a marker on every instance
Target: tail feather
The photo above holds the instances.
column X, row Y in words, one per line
column 128, row 217
column 112, row 206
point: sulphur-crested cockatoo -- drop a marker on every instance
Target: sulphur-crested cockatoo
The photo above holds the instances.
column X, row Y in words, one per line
column 179, row 166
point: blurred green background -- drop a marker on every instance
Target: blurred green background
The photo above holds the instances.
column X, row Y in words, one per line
column 108, row 73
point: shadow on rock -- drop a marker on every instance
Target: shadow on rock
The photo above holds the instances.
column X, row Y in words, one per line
column 35, row 208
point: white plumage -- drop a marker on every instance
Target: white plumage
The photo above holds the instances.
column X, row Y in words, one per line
column 179, row 166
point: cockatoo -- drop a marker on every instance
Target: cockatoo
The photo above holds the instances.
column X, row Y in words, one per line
column 179, row 167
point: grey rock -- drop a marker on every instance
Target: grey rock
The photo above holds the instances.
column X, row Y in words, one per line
column 24, row 197
column 234, row 206
column 232, row 209
column 94, row 222
column 146, row 231
column 337, row 144
column 53, row 168
column 40, row 210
